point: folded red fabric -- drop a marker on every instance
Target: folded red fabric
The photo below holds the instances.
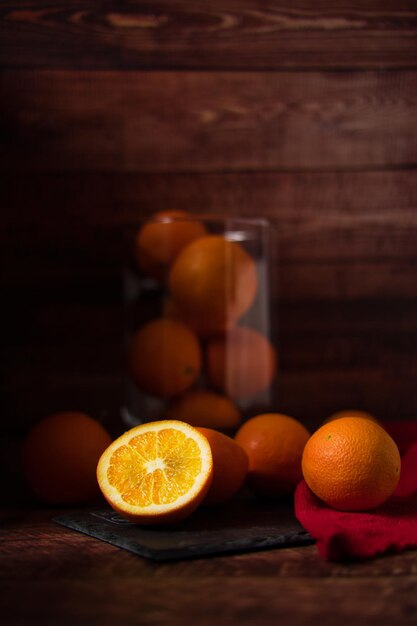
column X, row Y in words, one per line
column 391, row 527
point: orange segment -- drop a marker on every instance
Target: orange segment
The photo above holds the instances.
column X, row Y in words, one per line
column 157, row 472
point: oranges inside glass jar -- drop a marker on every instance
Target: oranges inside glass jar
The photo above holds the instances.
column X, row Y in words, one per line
column 200, row 334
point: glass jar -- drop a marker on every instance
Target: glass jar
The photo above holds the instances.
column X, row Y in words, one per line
column 200, row 325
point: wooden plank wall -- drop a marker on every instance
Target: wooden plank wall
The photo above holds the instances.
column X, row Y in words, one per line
column 304, row 112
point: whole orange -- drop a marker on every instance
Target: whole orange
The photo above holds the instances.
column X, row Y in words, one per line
column 164, row 358
column 242, row 362
column 274, row 444
column 352, row 464
column 200, row 407
column 161, row 239
column 230, row 466
column 213, row 282
column 60, row 455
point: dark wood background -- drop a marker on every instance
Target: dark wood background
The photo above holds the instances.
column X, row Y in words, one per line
column 303, row 112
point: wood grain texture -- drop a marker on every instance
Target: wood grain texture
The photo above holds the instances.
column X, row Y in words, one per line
column 247, row 601
column 304, row 114
column 52, row 546
column 225, row 34
column 68, row 578
column 331, row 357
column 340, row 236
column 346, row 298
column 189, row 121
column 113, row 199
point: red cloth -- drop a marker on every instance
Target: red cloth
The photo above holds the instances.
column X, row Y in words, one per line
column 391, row 527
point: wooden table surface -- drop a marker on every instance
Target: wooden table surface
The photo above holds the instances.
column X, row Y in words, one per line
column 304, row 113
column 53, row 575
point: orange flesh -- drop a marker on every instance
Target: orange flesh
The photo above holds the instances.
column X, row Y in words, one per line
column 155, row 467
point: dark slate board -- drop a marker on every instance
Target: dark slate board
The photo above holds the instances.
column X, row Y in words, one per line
column 242, row 525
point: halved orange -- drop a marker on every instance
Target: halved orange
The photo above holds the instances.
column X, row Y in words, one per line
column 156, row 473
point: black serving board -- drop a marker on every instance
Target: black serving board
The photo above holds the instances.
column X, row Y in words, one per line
column 241, row 525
